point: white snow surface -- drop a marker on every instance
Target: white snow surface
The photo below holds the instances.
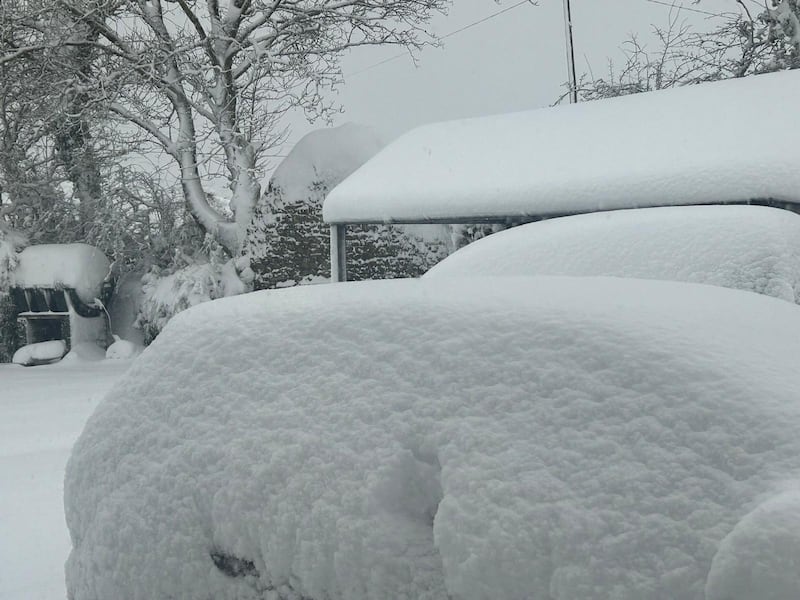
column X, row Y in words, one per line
column 79, row 266
column 123, row 349
column 528, row 437
column 42, row 411
column 39, row 353
column 690, row 145
column 325, row 155
column 745, row 247
column 760, row 558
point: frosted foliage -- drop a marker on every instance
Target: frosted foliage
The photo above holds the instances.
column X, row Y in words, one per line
column 514, row 438
column 608, row 154
column 786, row 14
column 10, row 244
column 166, row 294
column 746, row 247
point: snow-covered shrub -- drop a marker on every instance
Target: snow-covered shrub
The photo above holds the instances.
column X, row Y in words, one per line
column 287, row 241
column 12, row 332
column 11, row 243
column 464, row 234
column 166, row 292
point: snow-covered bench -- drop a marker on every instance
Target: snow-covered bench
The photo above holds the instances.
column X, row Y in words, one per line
column 56, row 288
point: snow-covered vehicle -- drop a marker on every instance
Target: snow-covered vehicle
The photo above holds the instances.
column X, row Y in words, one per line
column 753, row 248
column 467, row 438
column 506, row 438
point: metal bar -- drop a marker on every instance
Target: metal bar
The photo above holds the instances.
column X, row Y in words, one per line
column 573, row 83
column 338, row 253
column 790, row 205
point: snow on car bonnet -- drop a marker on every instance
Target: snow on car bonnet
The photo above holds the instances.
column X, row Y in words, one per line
column 746, row 247
column 511, row 438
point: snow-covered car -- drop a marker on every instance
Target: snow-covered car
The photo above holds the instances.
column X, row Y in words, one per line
column 506, row 438
column 753, row 248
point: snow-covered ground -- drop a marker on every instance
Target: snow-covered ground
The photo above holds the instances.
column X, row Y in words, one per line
column 42, row 411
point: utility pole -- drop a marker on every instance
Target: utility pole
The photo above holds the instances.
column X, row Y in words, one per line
column 573, row 83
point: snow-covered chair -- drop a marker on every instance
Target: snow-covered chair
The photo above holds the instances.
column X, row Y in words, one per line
column 56, row 288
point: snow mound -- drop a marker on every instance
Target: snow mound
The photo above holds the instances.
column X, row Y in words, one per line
column 760, row 558
column 745, row 247
column 326, row 155
column 84, row 352
column 79, row 266
column 602, row 155
column 41, row 353
column 525, row 437
column 123, row 349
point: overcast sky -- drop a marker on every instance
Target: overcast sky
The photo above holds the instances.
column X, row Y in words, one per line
column 514, row 61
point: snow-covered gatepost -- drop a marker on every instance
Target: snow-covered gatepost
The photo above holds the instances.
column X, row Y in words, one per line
column 717, row 143
column 60, row 291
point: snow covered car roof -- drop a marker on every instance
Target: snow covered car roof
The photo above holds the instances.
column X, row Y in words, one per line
column 81, row 267
column 752, row 248
column 721, row 142
column 534, row 437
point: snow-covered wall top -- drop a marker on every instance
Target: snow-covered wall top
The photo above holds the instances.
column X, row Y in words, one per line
column 79, row 266
column 754, row 248
column 325, row 156
column 727, row 141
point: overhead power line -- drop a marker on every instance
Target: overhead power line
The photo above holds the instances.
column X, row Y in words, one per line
column 684, row 7
column 444, row 37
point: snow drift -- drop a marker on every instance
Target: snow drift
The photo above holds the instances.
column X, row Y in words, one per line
column 526, row 437
column 41, row 353
column 744, row 247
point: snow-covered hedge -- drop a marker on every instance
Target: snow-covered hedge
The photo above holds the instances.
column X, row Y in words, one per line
column 165, row 293
column 289, row 244
column 430, row 439
column 744, row 247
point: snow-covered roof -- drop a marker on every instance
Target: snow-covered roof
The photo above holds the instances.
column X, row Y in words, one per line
column 528, row 437
column 78, row 266
column 722, row 142
column 753, row 248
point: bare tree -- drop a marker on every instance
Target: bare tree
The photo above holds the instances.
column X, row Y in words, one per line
column 209, row 80
column 742, row 43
